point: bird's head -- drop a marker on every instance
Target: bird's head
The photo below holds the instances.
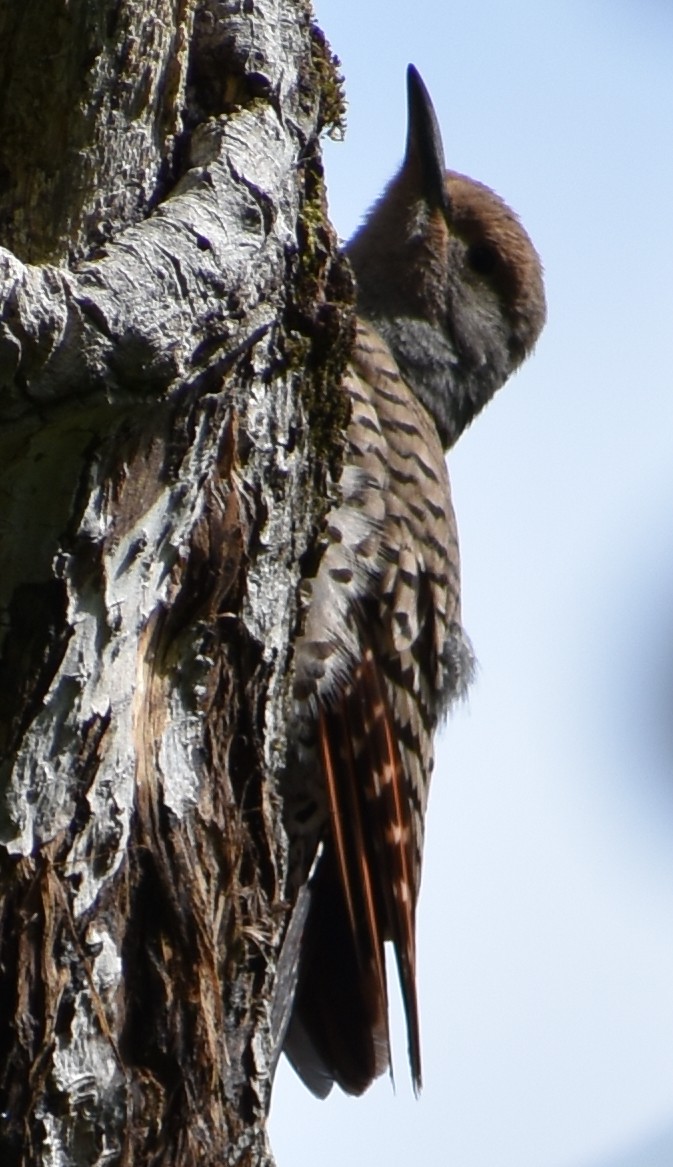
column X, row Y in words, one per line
column 449, row 276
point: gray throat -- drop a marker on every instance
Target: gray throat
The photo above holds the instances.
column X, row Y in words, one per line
column 428, row 360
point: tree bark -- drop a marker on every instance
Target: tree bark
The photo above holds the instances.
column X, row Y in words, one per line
column 174, row 321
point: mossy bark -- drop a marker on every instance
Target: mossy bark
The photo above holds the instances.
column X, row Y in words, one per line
column 174, row 320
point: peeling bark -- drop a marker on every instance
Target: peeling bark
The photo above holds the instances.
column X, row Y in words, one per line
column 169, row 407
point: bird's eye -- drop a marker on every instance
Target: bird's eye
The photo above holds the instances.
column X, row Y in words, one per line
column 482, row 258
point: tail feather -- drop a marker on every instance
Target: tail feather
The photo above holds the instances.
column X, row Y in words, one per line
column 339, row 1028
column 364, row 894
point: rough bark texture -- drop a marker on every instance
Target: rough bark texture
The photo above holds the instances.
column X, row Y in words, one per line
column 169, row 405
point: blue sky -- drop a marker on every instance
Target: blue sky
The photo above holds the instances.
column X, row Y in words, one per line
column 546, row 915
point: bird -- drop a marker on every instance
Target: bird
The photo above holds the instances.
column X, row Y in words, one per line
column 450, row 301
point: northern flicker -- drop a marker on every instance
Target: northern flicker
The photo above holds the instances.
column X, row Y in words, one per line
column 450, row 302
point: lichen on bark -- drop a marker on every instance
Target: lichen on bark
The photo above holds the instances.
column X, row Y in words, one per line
column 169, row 414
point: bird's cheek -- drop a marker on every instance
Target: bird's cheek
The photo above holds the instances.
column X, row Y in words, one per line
column 481, row 332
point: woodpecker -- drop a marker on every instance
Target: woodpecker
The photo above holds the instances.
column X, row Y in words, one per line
column 450, row 300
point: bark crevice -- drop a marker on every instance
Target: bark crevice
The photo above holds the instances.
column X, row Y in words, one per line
column 171, row 342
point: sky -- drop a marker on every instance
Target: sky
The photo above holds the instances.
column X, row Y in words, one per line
column 546, row 911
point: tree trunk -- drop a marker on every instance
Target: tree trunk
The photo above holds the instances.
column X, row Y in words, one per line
column 174, row 321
